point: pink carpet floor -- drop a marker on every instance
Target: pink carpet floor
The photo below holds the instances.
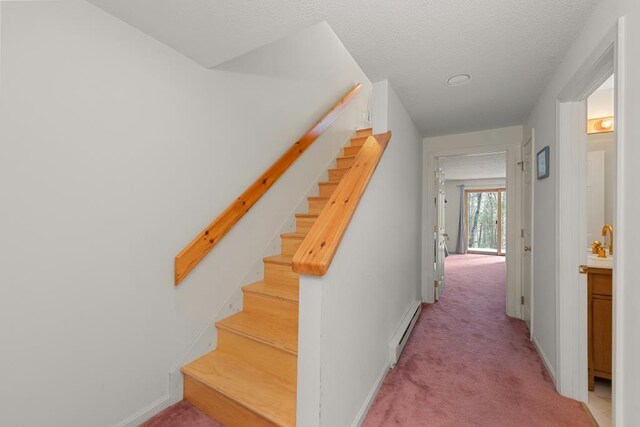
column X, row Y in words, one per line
column 181, row 414
column 468, row 364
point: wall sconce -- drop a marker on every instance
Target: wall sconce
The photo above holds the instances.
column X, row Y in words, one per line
column 601, row 125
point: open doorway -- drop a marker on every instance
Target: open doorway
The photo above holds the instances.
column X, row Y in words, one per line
column 588, row 315
column 471, row 215
column 601, row 189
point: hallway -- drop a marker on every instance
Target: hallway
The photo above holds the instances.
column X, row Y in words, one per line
column 468, row 364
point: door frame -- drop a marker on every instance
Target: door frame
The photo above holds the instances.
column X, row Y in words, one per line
column 514, row 220
column 571, row 248
column 499, row 215
column 529, row 137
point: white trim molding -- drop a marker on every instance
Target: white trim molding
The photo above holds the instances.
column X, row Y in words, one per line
column 571, row 244
column 145, row 413
column 619, row 282
column 362, row 414
column 545, row 360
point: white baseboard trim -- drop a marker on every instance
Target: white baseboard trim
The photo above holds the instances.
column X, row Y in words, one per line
column 144, row 414
column 545, row 360
column 370, row 398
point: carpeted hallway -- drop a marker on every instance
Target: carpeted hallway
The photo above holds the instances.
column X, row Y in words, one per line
column 468, row 364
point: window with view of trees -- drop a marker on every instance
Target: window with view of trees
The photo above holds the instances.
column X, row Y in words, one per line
column 486, row 221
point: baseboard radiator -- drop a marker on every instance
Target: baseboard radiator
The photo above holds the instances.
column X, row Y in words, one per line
column 400, row 338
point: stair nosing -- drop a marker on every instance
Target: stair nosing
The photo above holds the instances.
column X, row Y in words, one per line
column 306, row 215
column 221, row 325
column 272, row 260
column 275, row 297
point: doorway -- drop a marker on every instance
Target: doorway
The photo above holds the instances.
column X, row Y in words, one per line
column 470, row 212
column 573, row 246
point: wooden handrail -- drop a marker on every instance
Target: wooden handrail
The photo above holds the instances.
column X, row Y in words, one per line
column 317, row 250
column 199, row 247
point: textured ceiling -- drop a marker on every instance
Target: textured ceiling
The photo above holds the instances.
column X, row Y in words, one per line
column 474, row 167
column 511, row 47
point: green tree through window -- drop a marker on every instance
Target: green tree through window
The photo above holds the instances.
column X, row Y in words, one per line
column 483, row 221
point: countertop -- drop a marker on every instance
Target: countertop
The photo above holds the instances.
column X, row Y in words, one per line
column 594, row 262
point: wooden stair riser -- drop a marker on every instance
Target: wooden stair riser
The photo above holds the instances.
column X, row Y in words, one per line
column 316, row 205
column 265, row 304
column 326, row 189
column 345, row 162
column 259, row 354
column 304, row 224
column 290, row 244
column 364, row 132
column 278, row 273
column 350, row 150
column 337, row 174
column 220, row 407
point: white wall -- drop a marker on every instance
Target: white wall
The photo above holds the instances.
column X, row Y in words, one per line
column 349, row 315
column 604, row 142
column 543, row 119
column 452, row 208
column 507, row 139
column 116, row 151
column 600, row 104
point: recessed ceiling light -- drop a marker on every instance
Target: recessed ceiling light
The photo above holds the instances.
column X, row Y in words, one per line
column 458, row 80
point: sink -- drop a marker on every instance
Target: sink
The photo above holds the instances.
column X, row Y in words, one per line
column 595, row 262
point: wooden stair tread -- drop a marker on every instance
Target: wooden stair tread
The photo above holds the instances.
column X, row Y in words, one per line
column 340, row 169
column 317, row 198
column 278, row 259
column 260, row 392
column 346, row 157
column 294, row 235
column 336, row 182
column 273, row 290
column 271, row 330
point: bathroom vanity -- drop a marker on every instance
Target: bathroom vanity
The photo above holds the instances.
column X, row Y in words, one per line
column 600, row 319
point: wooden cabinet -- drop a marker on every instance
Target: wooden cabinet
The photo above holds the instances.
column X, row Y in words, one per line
column 600, row 320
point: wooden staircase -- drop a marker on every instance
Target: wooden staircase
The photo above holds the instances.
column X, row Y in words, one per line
column 251, row 378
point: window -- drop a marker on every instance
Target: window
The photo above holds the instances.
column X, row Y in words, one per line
column 486, row 221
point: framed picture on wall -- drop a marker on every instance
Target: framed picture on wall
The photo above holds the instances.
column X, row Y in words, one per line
column 543, row 163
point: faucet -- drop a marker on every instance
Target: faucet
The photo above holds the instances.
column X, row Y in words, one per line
column 609, row 228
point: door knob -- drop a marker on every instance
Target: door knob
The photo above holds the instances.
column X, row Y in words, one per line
column 527, row 248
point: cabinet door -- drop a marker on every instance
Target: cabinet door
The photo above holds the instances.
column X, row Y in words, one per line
column 601, row 334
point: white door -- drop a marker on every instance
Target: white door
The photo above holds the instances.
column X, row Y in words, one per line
column 439, row 235
column 527, row 192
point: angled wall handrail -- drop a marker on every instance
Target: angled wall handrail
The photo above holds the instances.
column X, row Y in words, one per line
column 199, row 247
column 317, row 250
